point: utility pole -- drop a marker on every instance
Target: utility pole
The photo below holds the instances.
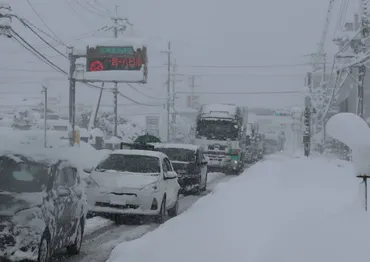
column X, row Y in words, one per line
column 192, row 97
column 360, row 90
column 173, row 123
column 168, row 105
column 72, row 96
column 307, row 119
column 115, row 94
column 45, row 91
column 115, row 90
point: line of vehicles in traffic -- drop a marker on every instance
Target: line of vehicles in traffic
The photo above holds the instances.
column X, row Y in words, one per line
column 44, row 203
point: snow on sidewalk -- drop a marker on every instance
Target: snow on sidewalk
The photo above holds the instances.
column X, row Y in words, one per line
column 280, row 210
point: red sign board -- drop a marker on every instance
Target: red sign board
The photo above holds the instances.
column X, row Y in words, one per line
column 103, row 58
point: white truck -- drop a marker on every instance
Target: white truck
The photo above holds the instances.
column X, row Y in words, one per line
column 221, row 131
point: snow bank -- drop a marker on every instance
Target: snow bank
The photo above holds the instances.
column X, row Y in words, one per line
column 349, row 129
column 280, row 210
column 353, row 131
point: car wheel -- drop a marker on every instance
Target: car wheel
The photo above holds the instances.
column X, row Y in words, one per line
column 172, row 212
column 43, row 255
column 75, row 248
column 160, row 218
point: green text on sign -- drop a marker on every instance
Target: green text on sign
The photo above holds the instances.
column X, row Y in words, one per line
column 116, row 50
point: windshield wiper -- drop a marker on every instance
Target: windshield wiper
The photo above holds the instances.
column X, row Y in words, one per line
column 100, row 170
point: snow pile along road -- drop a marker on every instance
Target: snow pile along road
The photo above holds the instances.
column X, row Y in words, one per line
column 280, row 210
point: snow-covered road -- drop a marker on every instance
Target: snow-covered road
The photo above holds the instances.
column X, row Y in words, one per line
column 102, row 235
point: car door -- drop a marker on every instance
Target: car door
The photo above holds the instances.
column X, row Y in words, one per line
column 171, row 184
column 75, row 200
column 203, row 168
column 62, row 200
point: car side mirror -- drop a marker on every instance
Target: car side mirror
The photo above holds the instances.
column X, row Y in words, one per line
column 170, row 175
column 88, row 170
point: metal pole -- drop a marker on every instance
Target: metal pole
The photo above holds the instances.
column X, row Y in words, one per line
column 360, row 90
column 72, row 94
column 97, row 107
column 365, row 181
column 115, row 93
column 173, row 123
column 45, row 91
column 192, row 91
column 168, row 89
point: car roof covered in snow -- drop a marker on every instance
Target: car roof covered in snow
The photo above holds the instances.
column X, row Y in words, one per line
column 179, row 146
column 34, row 155
column 139, row 152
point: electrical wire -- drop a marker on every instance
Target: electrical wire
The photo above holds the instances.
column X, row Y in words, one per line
column 246, row 66
column 23, row 20
column 43, row 58
column 93, row 7
column 243, row 93
column 78, row 15
column 87, row 9
column 136, row 102
column 97, row 2
column 43, row 21
column 137, row 90
column 34, row 50
column 42, row 39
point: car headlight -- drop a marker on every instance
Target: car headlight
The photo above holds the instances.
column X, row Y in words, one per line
column 154, row 187
column 90, row 182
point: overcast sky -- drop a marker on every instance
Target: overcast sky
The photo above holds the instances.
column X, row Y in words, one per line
column 202, row 32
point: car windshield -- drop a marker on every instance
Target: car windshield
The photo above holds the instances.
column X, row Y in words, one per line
column 178, row 154
column 22, row 177
column 217, row 130
column 130, row 163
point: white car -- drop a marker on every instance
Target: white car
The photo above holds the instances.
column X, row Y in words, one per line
column 134, row 182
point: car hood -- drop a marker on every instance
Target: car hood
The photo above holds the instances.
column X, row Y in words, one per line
column 11, row 203
column 114, row 179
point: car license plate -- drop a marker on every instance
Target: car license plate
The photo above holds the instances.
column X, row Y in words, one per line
column 117, row 200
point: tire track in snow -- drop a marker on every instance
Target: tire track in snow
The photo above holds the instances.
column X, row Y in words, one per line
column 98, row 245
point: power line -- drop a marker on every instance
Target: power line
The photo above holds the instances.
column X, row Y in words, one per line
column 136, row 102
column 87, row 9
column 91, row 5
column 242, row 75
column 246, row 66
column 34, row 50
column 42, row 39
column 97, row 2
column 42, row 20
column 243, row 93
column 137, row 90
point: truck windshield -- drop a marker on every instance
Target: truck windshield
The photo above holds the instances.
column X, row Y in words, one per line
column 217, row 130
